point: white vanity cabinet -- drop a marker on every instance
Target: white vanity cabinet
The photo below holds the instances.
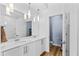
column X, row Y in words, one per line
column 34, row 48
column 42, row 45
column 18, row 51
column 31, row 49
column 13, row 52
column 38, row 47
column 24, row 50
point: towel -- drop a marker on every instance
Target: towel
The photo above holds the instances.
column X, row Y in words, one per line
column 3, row 35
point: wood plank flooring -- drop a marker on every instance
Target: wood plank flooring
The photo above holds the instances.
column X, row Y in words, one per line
column 54, row 51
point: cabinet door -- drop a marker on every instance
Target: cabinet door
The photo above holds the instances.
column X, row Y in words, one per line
column 42, row 45
column 38, row 48
column 31, row 49
column 24, row 50
column 12, row 52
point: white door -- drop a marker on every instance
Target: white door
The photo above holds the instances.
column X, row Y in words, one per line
column 31, row 49
column 56, row 29
column 59, row 32
column 38, row 48
column 34, row 48
column 66, row 34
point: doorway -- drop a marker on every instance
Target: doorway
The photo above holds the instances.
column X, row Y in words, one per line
column 56, row 24
column 59, row 35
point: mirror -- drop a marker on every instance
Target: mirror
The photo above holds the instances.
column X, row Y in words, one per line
column 29, row 28
column 16, row 26
column 10, row 29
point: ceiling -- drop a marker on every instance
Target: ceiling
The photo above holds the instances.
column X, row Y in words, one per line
column 23, row 7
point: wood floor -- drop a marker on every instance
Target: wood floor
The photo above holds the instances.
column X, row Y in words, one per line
column 54, row 51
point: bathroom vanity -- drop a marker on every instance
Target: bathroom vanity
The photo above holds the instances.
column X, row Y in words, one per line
column 26, row 46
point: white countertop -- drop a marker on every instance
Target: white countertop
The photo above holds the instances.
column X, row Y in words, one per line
column 22, row 41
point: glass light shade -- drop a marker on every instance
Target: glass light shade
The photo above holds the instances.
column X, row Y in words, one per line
column 11, row 6
column 25, row 17
column 34, row 19
column 38, row 17
column 7, row 10
column 29, row 14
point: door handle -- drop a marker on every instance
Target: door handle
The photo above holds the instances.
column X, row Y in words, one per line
column 63, row 42
column 25, row 50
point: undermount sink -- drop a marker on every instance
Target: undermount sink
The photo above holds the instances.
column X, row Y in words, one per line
column 19, row 40
column 34, row 36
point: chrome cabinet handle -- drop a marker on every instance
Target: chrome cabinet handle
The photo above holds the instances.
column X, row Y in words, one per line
column 25, row 50
column 42, row 41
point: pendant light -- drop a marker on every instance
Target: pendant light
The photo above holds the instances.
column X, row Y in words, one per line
column 9, row 8
column 25, row 16
column 28, row 14
column 38, row 14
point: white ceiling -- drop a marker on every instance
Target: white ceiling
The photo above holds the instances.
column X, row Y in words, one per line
column 34, row 6
column 23, row 7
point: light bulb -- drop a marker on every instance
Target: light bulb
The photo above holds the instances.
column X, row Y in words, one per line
column 29, row 14
column 11, row 6
column 7, row 10
column 25, row 16
column 34, row 19
column 38, row 17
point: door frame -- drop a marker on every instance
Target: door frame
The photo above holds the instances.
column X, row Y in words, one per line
column 63, row 31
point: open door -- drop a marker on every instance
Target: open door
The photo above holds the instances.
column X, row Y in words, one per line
column 59, row 33
column 66, row 34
